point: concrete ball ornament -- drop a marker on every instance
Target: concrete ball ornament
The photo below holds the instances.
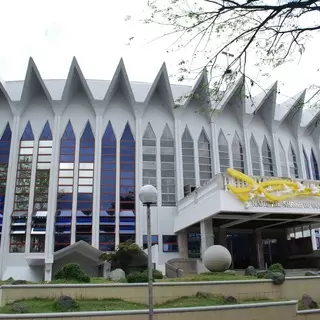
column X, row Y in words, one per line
column 217, row 258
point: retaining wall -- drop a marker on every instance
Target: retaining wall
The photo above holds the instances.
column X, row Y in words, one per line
column 262, row 311
column 292, row 289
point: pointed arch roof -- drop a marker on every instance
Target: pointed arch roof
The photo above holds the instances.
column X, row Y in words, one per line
column 33, row 82
column 254, row 104
column 162, row 85
column 76, row 82
column 4, row 94
column 120, row 80
column 229, row 94
column 200, row 91
column 291, row 106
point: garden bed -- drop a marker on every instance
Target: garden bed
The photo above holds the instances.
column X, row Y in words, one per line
column 47, row 305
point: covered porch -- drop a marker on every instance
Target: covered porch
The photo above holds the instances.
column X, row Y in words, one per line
column 257, row 234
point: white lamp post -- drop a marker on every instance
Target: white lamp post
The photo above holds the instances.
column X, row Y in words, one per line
column 148, row 196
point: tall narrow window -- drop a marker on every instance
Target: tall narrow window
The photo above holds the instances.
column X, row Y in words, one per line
column 306, row 163
column 41, row 191
column 283, row 161
column 149, row 155
column 21, row 199
column 168, row 184
column 223, row 152
column 127, row 223
column 293, row 166
column 108, row 190
column 267, row 159
column 204, row 158
column 314, row 166
column 5, row 143
column 85, row 186
column 255, row 157
column 189, row 177
column 65, row 189
column 237, row 154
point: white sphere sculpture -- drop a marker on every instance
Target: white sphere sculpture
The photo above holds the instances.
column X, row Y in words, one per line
column 217, row 258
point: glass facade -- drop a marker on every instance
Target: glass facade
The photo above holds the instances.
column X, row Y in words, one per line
column 255, row 157
column 85, row 186
column 293, row 165
column 267, row 159
column 205, row 168
column 189, row 177
column 167, row 157
column 127, row 223
column 108, row 190
column 5, row 143
column 41, row 191
column 283, row 160
column 19, row 215
column 237, row 154
column 314, row 166
column 65, row 189
column 223, row 152
column 149, row 157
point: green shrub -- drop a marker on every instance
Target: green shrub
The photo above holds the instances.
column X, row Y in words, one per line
column 72, row 271
column 65, row 304
column 156, row 274
column 137, row 277
column 277, row 267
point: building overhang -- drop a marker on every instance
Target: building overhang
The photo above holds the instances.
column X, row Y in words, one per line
column 233, row 210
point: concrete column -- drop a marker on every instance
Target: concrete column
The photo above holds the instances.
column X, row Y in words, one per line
column 276, row 156
column 179, row 164
column 10, row 190
column 248, row 159
column 259, row 244
column 207, row 236
column 196, row 162
column 140, row 210
column 214, row 149
column 183, row 244
column 48, row 270
column 75, row 190
column 53, row 189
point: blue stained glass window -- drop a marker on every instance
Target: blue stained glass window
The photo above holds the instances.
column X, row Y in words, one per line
column 27, row 134
column 46, row 132
column 108, row 189
column 69, row 133
column 314, row 165
column 64, row 199
column 127, row 223
column 87, row 145
column 306, row 163
column 67, row 145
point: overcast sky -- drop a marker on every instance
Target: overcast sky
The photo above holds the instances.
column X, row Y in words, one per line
column 95, row 31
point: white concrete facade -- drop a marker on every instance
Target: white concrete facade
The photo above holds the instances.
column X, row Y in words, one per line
column 140, row 105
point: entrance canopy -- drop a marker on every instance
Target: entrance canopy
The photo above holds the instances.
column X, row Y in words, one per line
column 251, row 203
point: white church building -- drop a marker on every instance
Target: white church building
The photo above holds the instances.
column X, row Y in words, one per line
column 74, row 154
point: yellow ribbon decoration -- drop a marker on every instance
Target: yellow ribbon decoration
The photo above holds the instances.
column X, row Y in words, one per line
column 266, row 189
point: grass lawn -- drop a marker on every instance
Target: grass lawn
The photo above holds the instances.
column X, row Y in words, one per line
column 43, row 305
column 210, row 276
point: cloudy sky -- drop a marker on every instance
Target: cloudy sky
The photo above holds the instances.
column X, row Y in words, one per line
column 97, row 33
